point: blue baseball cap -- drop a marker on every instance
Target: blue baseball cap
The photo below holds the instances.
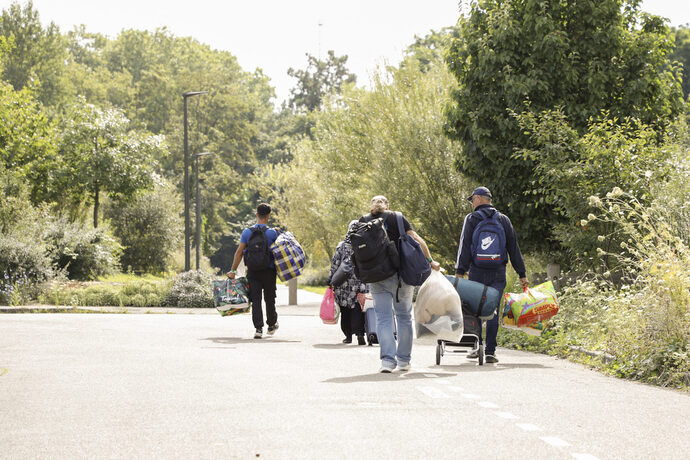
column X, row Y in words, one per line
column 481, row 191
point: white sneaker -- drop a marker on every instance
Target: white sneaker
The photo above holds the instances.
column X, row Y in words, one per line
column 385, row 370
column 403, row 367
column 258, row 334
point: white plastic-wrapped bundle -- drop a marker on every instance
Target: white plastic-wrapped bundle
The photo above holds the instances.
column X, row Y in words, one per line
column 438, row 310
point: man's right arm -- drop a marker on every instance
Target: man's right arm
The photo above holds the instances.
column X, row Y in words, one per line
column 462, row 263
column 236, row 260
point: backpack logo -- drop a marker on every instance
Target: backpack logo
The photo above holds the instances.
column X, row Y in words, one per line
column 488, row 240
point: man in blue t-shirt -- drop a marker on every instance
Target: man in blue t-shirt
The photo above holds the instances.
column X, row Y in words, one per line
column 255, row 244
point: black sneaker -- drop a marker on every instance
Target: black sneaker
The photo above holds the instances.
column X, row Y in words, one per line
column 347, row 340
column 491, row 359
column 272, row 329
column 360, row 340
column 259, row 333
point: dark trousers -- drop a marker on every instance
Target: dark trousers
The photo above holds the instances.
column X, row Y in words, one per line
column 352, row 321
column 496, row 279
column 263, row 281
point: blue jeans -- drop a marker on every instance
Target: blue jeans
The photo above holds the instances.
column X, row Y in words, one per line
column 383, row 294
column 496, row 279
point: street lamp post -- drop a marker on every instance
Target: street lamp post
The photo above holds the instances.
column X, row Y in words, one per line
column 198, row 205
column 187, row 228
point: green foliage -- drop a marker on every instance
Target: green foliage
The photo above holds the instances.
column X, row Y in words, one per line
column 585, row 58
column 27, row 141
column 681, row 54
column 569, row 167
column 99, row 153
column 134, row 293
column 23, row 266
column 191, row 289
column 318, row 80
column 386, row 141
column 37, row 54
column 149, row 228
column 82, row 253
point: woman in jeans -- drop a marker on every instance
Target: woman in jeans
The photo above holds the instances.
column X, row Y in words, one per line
column 394, row 295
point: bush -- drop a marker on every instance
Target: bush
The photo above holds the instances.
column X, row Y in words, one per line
column 135, row 294
column 149, row 228
column 23, row 266
column 191, row 289
column 83, row 253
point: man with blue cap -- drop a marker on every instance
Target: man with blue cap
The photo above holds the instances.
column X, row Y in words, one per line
column 486, row 241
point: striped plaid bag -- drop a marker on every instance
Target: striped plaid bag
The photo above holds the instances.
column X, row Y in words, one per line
column 289, row 256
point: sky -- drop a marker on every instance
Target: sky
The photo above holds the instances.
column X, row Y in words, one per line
column 275, row 35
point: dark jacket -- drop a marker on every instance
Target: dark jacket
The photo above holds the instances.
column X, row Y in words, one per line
column 464, row 260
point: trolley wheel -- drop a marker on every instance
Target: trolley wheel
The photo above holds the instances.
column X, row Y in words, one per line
column 438, row 354
column 480, row 355
column 372, row 339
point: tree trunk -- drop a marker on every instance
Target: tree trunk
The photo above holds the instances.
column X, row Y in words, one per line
column 95, row 206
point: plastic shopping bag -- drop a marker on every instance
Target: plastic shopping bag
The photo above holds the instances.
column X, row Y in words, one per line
column 329, row 310
column 534, row 305
column 366, row 301
column 231, row 297
column 438, row 310
column 535, row 329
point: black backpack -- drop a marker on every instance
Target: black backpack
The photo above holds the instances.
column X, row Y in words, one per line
column 258, row 255
column 374, row 256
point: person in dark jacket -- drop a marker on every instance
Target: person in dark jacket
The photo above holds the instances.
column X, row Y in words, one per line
column 351, row 314
column 496, row 278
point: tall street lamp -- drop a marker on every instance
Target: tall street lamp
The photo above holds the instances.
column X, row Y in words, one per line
column 187, row 228
column 198, row 205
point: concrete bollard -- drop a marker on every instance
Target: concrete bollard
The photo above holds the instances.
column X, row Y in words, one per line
column 292, row 291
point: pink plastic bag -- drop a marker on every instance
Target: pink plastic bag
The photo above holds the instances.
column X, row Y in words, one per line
column 329, row 310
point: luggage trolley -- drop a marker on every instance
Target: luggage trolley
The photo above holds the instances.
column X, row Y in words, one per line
column 479, row 304
column 470, row 341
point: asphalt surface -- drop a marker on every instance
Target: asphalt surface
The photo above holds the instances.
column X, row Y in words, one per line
column 199, row 386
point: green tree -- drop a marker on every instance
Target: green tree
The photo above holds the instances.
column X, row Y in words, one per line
column 149, row 228
column 99, row 153
column 37, row 57
column 388, row 140
column 317, row 80
column 584, row 57
column 681, row 54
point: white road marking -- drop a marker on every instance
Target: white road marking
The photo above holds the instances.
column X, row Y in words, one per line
column 488, row 405
column 456, row 389
column 432, row 392
column 507, row 415
column 584, row 457
column 528, row 427
column 554, row 441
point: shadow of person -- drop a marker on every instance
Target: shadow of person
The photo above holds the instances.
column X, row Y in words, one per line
column 332, row 346
column 379, row 377
column 236, row 340
column 473, row 366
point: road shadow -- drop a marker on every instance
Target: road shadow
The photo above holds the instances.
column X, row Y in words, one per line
column 335, row 346
column 237, row 340
column 378, row 377
column 474, row 367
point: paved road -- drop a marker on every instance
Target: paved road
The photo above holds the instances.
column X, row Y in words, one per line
column 198, row 386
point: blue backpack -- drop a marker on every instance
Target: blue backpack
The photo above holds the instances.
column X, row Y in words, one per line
column 489, row 241
column 414, row 268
